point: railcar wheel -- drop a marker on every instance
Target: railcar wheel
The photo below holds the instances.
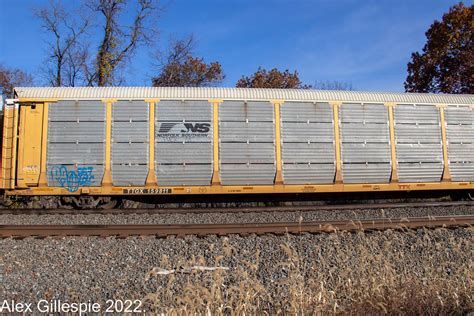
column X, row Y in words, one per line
column 88, row 202
column 91, row 202
column 108, row 203
column 462, row 196
column 46, row 202
column 65, row 202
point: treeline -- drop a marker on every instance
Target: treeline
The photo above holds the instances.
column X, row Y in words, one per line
column 446, row 63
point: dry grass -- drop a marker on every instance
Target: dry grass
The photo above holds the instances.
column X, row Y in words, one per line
column 413, row 272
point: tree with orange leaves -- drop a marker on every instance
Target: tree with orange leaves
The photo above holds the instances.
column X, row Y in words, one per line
column 446, row 64
column 274, row 78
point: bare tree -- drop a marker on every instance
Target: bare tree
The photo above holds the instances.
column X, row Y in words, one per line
column 65, row 45
column 178, row 51
column 178, row 67
column 75, row 66
column 118, row 42
column 13, row 77
column 333, row 85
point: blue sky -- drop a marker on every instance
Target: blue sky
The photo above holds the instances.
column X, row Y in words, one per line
column 367, row 43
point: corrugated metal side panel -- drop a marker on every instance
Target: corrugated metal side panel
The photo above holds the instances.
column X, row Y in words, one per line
column 317, row 153
column 126, row 111
column 306, row 112
column 365, row 143
column 462, row 171
column 309, row 173
column 243, row 132
column 128, row 175
column 130, row 153
column 72, row 153
column 459, row 115
column 411, row 133
column 460, row 137
column 76, row 144
column 178, row 93
column 307, row 135
column 247, row 153
column 461, row 152
column 129, row 132
column 233, row 111
column 369, row 132
column 419, row 153
column 412, row 113
column 246, row 143
column 363, row 113
column 129, row 161
column 73, row 111
column 363, row 153
column 188, row 153
column 366, row 172
column 243, row 174
column 460, row 133
column 420, row 172
column 418, row 143
column 183, row 174
column 183, row 142
column 297, row 132
column 190, row 111
column 72, row 132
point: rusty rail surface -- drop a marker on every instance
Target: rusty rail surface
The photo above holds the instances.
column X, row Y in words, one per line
column 253, row 209
column 226, row 229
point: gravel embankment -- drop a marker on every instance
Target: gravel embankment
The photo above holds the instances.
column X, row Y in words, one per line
column 232, row 217
column 79, row 269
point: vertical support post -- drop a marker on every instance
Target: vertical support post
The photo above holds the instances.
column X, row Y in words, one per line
column 278, row 176
column 393, row 148
column 42, row 182
column 107, row 180
column 10, row 131
column 216, row 179
column 446, row 173
column 151, row 178
column 15, row 144
column 337, row 142
column 6, row 154
column 20, row 181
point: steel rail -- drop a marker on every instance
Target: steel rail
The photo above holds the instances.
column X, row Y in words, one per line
column 253, row 209
column 226, row 229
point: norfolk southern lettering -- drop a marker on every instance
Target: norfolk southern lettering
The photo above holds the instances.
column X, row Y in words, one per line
column 185, row 130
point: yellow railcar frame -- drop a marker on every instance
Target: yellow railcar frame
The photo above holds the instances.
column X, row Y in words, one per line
column 152, row 187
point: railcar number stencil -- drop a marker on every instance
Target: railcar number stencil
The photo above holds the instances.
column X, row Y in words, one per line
column 148, row 191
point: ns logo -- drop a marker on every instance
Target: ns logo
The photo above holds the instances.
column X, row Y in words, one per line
column 196, row 127
column 184, row 128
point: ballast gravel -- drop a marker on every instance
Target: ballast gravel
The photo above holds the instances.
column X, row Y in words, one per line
column 82, row 269
column 231, row 216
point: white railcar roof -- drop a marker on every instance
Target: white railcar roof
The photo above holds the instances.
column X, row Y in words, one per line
column 140, row 93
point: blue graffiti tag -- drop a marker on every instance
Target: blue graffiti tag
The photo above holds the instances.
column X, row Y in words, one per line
column 72, row 180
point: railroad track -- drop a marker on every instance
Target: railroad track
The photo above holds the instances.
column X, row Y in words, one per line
column 299, row 208
column 226, row 229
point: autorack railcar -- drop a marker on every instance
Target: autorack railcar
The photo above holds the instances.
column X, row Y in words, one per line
column 95, row 143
